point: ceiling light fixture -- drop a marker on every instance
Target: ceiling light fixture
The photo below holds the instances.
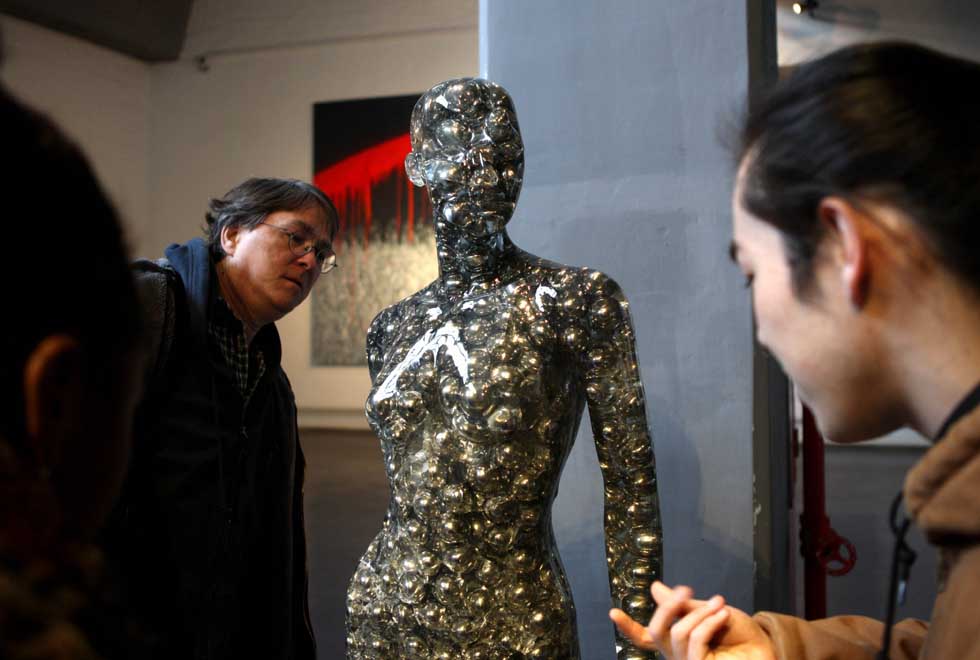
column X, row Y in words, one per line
column 805, row 6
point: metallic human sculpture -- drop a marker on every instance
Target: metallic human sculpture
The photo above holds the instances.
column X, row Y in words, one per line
column 479, row 384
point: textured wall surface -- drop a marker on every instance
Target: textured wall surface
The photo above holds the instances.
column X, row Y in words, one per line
column 620, row 106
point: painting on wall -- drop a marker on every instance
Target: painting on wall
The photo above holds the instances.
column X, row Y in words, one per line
column 386, row 242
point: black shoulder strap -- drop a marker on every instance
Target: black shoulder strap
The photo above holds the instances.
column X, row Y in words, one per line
column 160, row 291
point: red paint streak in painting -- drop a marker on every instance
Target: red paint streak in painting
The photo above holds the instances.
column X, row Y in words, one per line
column 349, row 184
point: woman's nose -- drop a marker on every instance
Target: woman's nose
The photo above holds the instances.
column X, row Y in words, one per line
column 309, row 260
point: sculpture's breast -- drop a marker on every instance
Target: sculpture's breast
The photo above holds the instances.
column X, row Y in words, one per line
column 480, row 367
column 476, row 395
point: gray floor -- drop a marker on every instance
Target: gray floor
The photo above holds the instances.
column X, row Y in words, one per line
column 346, row 498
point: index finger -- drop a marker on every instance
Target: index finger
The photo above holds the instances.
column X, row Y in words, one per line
column 633, row 631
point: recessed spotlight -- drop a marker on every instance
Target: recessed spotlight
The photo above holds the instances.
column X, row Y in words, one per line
column 805, row 6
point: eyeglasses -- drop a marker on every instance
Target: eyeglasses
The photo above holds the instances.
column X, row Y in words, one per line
column 325, row 256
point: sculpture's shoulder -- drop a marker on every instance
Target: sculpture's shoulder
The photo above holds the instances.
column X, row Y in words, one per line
column 587, row 305
column 573, row 281
column 599, row 286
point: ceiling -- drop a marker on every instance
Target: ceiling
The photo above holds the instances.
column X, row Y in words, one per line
column 149, row 30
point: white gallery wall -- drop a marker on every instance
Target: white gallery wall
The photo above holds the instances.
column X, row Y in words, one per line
column 100, row 99
column 166, row 138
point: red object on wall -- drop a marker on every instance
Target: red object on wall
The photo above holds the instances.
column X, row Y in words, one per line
column 349, row 184
column 824, row 551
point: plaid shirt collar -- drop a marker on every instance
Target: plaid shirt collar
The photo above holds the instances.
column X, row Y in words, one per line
column 227, row 338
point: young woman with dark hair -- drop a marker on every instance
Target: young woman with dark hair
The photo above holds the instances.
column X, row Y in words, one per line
column 857, row 227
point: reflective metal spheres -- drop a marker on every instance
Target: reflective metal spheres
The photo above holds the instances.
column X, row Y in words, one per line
column 479, row 384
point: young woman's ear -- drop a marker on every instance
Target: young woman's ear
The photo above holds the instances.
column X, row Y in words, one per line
column 53, row 392
column 845, row 225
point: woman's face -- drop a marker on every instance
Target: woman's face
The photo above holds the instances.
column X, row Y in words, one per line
column 821, row 339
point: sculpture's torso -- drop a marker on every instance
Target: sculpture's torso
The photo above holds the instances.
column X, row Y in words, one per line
column 477, row 403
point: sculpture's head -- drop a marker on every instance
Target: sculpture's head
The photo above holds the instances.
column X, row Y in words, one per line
column 467, row 150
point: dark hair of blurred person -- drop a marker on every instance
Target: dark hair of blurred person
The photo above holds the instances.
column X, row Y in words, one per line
column 69, row 351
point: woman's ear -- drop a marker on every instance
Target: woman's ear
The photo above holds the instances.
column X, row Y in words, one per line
column 53, row 392
column 846, row 230
column 229, row 239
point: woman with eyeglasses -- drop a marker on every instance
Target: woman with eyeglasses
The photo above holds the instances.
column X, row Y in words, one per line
column 209, row 533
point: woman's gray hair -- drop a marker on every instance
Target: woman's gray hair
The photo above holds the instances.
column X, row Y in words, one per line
column 250, row 202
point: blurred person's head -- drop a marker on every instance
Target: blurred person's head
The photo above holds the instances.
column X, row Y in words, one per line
column 856, row 217
column 272, row 239
column 69, row 348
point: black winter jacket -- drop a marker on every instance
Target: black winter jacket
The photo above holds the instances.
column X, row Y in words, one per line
column 209, row 534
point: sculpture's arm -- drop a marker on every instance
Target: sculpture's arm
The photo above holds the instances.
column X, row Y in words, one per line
column 622, row 438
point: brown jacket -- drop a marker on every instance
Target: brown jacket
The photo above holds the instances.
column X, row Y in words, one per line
column 942, row 494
